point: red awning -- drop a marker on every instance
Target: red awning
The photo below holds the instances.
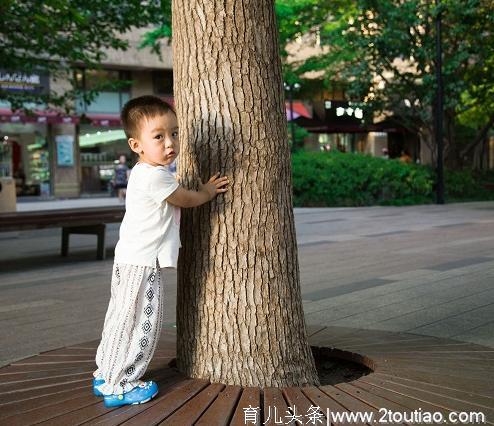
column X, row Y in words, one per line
column 110, row 120
column 54, row 117
column 41, row 117
column 299, row 110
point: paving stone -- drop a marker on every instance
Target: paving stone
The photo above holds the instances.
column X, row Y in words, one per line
column 433, row 276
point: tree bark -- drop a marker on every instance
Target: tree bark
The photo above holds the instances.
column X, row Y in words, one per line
column 240, row 319
column 479, row 138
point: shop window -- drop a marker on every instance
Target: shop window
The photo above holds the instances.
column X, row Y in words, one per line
column 25, row 157
column 163, row 82
column 113, row 90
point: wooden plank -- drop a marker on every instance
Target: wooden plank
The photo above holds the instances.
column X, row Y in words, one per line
column 455, row 392
column 122, row 414
column 78, row 416
column 14, row 377
column 446, row 402
column 326, row 404
column 438, row 364
column 84, row 413
column 368, row 398
column 400, row 346
column 386, row 340
column 484, row 358
column 473, row 385
column 193, row 409
column 275, row 408
column 451, row 369
column 405, row 400
column 78, row 386
column 408, row 341
column 299, row 405
column 222, row 409
column 54, row 399
column 168, row 403
column 8, row 387
column 348, row 401
column 332, row 336
column 41, row 401
column 250, row 400
column 51, row 412
column 88, row 412
column 322, row 400
column 51, row 366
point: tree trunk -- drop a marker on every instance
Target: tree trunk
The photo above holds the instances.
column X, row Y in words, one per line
column 240, row 319
column 480, row 137
column 452, row 157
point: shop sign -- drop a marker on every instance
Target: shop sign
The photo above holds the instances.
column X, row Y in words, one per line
column 35, row 82
column 343, row 112
column 65, row 150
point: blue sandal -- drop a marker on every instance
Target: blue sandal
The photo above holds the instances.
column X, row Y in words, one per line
column 139, row 395
column 96, row 383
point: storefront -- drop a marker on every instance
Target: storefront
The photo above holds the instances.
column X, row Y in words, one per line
column 100, row 149
column 340, row 126
column 25, row 155
column 24, row 147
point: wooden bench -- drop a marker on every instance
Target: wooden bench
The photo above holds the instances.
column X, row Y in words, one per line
column 91, row 220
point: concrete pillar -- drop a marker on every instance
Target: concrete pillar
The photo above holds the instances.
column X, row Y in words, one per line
column 65, row 160
column 376, row 141
column 142, row 83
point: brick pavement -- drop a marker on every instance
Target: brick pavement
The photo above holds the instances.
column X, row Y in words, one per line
column 421, row 269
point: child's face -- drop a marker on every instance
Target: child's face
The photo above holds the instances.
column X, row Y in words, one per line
column 158, row 140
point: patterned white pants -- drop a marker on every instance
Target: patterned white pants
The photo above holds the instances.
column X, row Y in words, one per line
column 132, row 327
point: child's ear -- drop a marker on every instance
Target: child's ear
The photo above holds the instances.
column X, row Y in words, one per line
column 134, row 145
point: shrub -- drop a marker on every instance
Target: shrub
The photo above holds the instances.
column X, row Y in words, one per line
column 344, row 179
column 334, row 179
column 467, row 185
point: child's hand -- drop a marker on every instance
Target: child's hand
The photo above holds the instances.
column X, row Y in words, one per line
column 214, row 186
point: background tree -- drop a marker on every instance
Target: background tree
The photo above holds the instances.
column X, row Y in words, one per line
column 384, row 51
column 239, row 311
column 53, row 36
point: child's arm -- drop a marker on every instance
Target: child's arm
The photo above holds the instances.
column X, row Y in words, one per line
column 184, row 198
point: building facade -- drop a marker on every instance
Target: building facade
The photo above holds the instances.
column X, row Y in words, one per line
column 52, row 155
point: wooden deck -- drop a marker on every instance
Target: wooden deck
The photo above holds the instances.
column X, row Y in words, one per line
column 410, row 372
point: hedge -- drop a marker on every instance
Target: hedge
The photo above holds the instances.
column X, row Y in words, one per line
column 334, row 179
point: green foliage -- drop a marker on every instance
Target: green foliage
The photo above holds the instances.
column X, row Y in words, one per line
column 153, row 38
column 337, row 179
column 468, row 185
column 300, row 134
column 394, row 41
column 52, row 36
column 349, row 180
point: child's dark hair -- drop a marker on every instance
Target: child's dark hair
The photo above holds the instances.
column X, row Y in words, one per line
column 142, row 107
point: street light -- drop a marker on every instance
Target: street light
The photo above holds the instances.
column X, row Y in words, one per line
column 439, row 109
column 290, row 88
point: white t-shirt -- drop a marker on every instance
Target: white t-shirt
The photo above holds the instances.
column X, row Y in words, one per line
column 150, row 228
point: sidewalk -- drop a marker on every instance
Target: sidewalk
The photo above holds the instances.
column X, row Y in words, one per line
column 426, row 270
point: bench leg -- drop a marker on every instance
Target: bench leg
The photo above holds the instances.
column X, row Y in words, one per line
column 98, row 230
column 65, row 242
column 101, row 255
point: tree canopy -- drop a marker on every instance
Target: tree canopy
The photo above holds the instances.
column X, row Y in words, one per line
column 54, row 35
column 384, row 52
